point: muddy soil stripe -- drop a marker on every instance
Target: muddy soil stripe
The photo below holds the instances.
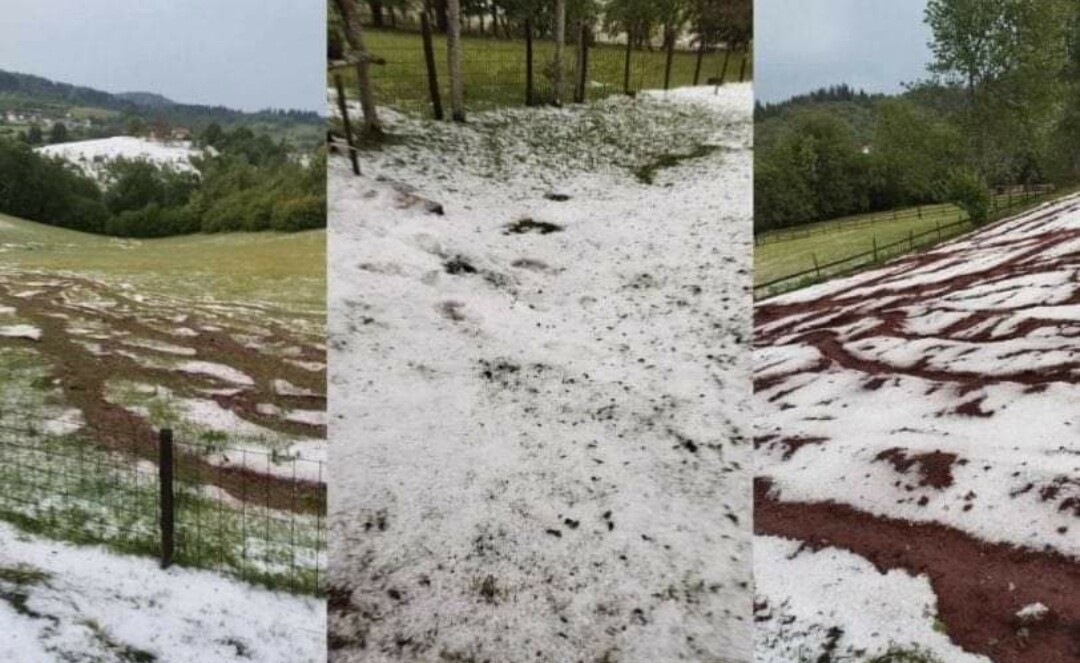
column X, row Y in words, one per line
column 980, row 586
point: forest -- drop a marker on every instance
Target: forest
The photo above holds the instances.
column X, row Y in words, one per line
column 246, row 182
column 1001, row 108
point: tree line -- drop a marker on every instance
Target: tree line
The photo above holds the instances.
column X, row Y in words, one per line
column 243, row 182
column 1001, row 108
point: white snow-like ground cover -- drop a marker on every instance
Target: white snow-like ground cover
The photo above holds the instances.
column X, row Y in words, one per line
column 833, row 599
column 941, row 388
column 65, row 603
column 92, row 155
column 538, row 397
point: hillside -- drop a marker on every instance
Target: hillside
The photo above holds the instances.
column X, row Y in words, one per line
column 26, row 99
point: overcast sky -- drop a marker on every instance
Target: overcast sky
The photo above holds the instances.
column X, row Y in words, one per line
column 246, row 54
column 802, row 45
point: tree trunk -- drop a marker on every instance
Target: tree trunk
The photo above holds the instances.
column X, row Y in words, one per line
column 700, row 59
column 441, row 16
column 626, row 65
column 727, row 56
column 377, row 13
column 494, row 19
column 582, row 63
column 528, row 62
column 355, row 36
column 669, row 46
column 560, row 42
column 429, row 62
column 453, row 48
column 742, row 68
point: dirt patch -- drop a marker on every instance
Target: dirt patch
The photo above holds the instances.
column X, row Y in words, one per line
column 980, row 586
column 523, row 226
column 934, row 468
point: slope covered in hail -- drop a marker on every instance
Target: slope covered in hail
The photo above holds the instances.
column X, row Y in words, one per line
column 923, row 418
column 538, row 387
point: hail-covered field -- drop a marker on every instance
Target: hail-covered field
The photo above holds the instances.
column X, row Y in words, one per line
column 92, row 155
column 918, row 446
column 104, row 341
column 538, row 390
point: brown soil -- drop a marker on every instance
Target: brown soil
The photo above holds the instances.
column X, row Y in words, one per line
column 980, row 586
column 82, row 377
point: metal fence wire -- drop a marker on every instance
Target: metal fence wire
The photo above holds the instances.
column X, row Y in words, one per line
column 249, row 513
column 496, row 71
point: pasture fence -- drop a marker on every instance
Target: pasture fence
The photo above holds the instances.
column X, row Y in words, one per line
column 1004, row 199
column 879, row 253
column 410, row 70
column 254, row 514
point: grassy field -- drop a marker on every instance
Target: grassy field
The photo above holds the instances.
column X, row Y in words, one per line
column 494, row 70
column 198, row 333
column 287, row 270
column 773, row 260
column 851, row 235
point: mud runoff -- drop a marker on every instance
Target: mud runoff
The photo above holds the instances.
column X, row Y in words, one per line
column 92, row 335
column 980, row 586
column 922, row 416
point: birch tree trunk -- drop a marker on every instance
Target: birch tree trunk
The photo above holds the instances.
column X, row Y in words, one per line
column 453, row 48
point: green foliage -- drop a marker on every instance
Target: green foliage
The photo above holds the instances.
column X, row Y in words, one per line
column 248, row 182
column 968, row 190
column 58, row 133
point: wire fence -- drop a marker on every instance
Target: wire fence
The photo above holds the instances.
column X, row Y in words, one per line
column 497, row 71
column 880, row 253
column 253, row 514
column 1000, row 201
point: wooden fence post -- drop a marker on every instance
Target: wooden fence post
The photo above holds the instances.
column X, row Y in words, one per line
column 817, row 268
column 168, row 511
column 429, row 60
column 911, row 240
column 582, row 63
column 626, row 65
column 874, row 240
column 669, row 48
column 344, row 108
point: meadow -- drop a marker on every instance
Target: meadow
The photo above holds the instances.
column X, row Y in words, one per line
column 104, row 341
column 790, row 251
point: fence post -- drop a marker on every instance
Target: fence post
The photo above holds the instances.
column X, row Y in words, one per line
column 429, row 60
column 344, row 108
column 817, row 268
column 938, row 224
column 626, row 65
column 165, row 483
column 911, row 240
column 874, row 240
column 582, row 63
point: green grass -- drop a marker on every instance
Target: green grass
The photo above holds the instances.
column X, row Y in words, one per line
column 280, row 269
column 494, row 70
column 773, row 260
column 852, row 235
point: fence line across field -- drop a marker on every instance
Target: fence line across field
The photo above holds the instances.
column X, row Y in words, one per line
column 248, row 513
column 1010, row 199
column 878, row 252
column 498, row 72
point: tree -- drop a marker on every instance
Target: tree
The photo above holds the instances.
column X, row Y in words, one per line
column 453, row 52
column 34, row 135
column 1007, row 55
column 354, row 35
column 58, row 133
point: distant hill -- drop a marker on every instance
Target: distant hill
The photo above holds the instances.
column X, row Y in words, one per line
column 25, row 92
column 147, row 99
